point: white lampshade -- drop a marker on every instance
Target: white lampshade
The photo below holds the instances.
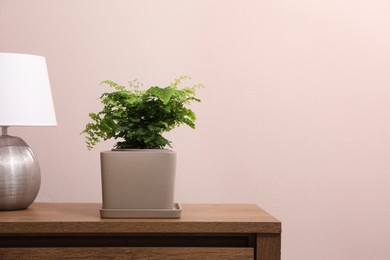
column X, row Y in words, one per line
column 25, row 94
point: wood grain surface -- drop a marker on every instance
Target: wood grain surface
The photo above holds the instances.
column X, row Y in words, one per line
column 85, row 218
column 76, row 231
column 127, row 253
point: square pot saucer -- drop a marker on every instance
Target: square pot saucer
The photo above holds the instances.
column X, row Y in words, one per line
column 175, row 212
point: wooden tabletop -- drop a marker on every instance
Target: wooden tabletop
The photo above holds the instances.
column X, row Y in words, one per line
column 85, row 218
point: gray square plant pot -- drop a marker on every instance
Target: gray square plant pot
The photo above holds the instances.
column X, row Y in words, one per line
column 138, row 183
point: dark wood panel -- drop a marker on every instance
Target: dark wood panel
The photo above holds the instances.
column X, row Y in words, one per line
column 127, row 253
column 130, row 240
column 268, row 246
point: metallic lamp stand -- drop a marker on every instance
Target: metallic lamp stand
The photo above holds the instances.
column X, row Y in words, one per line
column 20, row 176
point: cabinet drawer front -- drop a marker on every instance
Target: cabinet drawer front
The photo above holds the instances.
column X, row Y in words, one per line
column 149, row 253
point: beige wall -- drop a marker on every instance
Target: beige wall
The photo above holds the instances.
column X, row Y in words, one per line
column 296, row 111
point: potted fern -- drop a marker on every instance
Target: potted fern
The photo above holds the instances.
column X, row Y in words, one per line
column 138, row 175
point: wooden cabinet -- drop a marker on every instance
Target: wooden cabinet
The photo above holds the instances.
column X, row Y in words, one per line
column 75, row 230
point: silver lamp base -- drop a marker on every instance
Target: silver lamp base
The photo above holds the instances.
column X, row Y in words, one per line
column 20, row 177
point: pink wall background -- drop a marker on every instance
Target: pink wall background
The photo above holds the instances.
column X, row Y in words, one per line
column 295, row 114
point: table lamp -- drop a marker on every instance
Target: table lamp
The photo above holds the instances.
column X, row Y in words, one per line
column 25, row 100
